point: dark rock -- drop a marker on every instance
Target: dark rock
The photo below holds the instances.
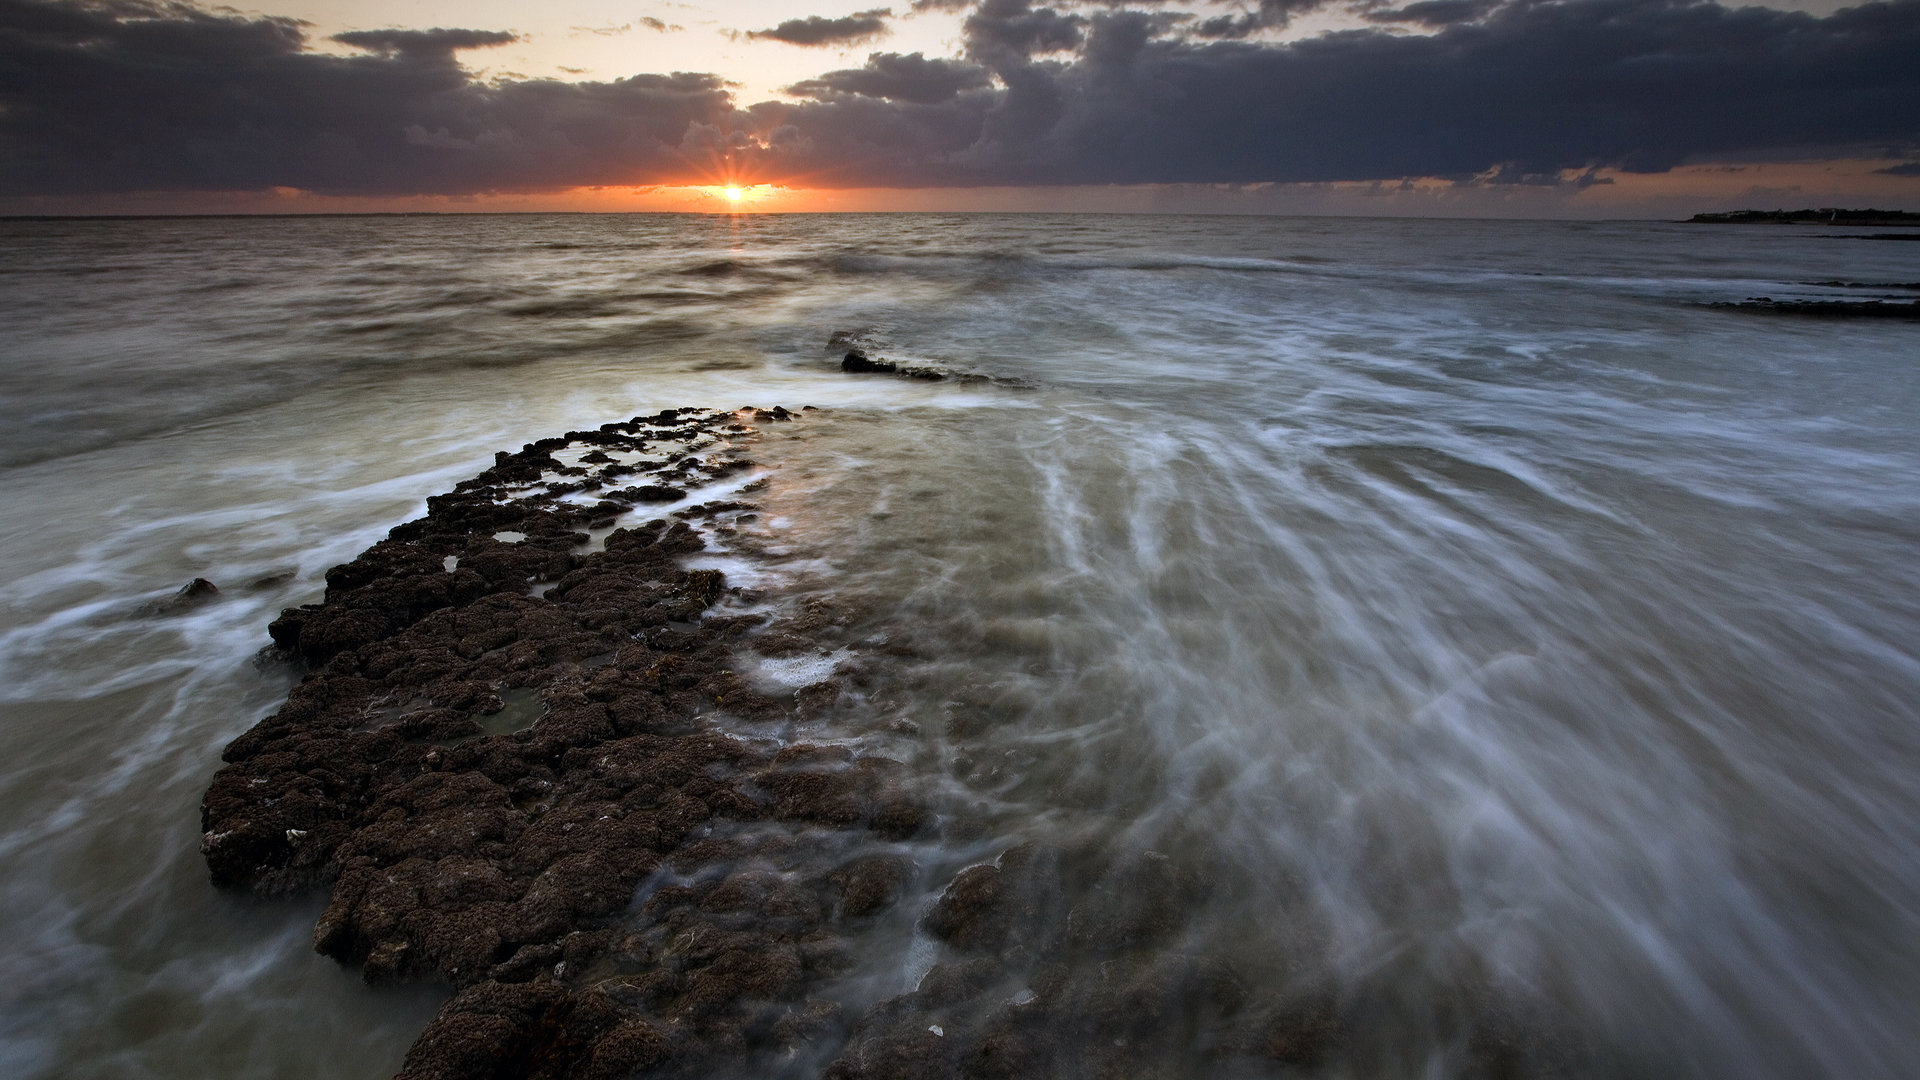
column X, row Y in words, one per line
column 649, row 493
column 857, row 363
column 1302, row 1031
column 484, row 806
column 977, row 911
column 1827, row 309
column 1144, row 901
column 871, row 884
column 1905, row 286
column 191, row 595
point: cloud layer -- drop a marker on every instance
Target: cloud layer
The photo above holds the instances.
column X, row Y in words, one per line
column 132, row 95
column 816, row 31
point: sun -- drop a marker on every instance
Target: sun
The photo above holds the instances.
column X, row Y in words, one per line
column 734, row 196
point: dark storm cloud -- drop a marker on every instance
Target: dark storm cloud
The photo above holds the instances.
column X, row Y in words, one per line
column 1435, row 12
column 129, row 96
column 1015, row 28
column 1269, row 14
column 912, row 78
column 1531, row 88
column 816, row 31
column 433, row 45
column 124, row 96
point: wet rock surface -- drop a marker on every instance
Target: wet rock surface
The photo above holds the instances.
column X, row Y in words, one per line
column 193, row 594
column 532, row 771
column 1065, row 961
column 858, row 363
column 534, row 800
column 855, row 350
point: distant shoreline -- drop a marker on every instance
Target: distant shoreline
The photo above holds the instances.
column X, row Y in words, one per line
column 1824, row 216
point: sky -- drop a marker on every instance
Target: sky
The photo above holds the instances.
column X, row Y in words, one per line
column 1510, row 108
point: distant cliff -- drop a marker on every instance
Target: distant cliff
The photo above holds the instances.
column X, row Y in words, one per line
column 1824, row 216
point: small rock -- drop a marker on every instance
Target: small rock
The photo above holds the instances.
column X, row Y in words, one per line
column 857, row 363
column 191, row 595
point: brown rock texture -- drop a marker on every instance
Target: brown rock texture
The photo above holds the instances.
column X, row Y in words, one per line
column 526, row 797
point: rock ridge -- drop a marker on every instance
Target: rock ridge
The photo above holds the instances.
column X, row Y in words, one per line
column 528, row 797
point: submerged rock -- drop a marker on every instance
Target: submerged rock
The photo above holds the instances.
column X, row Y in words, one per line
column 191, row 595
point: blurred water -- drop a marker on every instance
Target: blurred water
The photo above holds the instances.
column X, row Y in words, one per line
column 1501, row 623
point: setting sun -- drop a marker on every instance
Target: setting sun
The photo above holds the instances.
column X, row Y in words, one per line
column 734, row 194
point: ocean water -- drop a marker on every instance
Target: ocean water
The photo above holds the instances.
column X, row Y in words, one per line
column 1494, row 622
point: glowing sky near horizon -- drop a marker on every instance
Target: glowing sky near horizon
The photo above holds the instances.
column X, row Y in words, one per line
column 1513, row 106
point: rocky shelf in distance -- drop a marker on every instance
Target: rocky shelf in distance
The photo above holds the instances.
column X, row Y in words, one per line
column 1825, row 309
column 1824, row 216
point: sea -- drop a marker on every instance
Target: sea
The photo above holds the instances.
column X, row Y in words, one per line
column 1513, row 625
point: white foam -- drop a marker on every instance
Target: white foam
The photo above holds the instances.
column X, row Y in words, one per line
column 792, row 672
column 922, row 953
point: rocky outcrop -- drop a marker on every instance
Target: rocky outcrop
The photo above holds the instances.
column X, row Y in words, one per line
column 528, row 798
column 858, row 363
column 1826, row 309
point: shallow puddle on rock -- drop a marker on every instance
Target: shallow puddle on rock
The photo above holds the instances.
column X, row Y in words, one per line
column 388, row 714
column 522, row 707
